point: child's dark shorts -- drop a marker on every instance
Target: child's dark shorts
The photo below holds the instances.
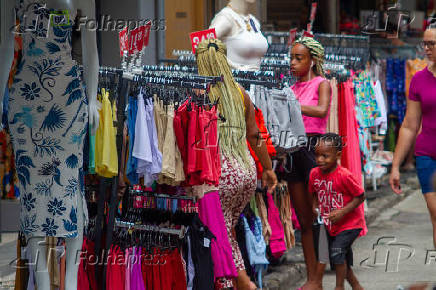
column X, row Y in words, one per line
column 340, row 247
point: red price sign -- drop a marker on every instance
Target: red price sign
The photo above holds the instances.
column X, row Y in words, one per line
column 313, row 11
column 199, row 36
column 309, row 27
column 124, row 40
column 292, row 36
column 133, row 41
column 147, row 28
column 307, row 34
column 139, row 38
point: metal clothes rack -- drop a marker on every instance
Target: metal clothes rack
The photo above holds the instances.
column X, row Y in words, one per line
column 180, row 76
column 106, row 183
column 159, row 195
column 151, row 228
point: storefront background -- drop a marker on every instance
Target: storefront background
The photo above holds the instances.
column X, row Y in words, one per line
column 183, row 17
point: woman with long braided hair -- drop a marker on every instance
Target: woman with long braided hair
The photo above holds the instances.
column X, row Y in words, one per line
column 238, row 171
column 313, row 92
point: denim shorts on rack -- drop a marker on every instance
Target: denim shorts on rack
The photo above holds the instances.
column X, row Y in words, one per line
column 297, row 165
column 426, row 169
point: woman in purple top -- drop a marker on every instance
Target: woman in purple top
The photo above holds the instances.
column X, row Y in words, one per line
column 421, row 110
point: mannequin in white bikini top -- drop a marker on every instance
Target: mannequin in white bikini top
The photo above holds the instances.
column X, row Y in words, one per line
column 240, row 31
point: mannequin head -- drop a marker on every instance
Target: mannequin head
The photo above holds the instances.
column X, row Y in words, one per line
column 429, row 40
column 241, row 6
column 307, row 57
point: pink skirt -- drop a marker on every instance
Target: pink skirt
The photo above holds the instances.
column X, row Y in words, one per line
column 211, row 214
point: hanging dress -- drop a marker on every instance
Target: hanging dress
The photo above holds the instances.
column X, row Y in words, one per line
column 48, row 119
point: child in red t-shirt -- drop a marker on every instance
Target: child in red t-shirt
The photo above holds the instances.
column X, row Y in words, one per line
column 337, row 195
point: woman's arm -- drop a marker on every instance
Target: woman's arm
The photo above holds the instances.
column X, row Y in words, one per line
column 320, row 110
column 407, row 136
column 258, row 144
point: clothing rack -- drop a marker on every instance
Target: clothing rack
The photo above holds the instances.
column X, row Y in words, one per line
column 183, row 77
column 189, row 69
column 189, row 60
column 110, row 70
column 285, row 34
column 151, row 228
column 150, row 194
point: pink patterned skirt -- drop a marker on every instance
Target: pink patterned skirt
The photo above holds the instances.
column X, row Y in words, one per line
column 237, row 186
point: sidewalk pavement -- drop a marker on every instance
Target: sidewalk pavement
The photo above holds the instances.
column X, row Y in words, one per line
column 291, row 271
column 8, row 253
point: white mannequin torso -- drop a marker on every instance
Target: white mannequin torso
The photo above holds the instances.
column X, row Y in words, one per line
column 241, row 33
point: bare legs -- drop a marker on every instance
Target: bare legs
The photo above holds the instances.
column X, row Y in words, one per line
column 243, row 282
column 410, row 159
column 303, row 207
column 430, row 198
column 342, row 273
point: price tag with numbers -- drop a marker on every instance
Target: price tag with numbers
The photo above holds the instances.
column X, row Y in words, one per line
column 133, row 41
column 199, row 36
column 124, row 40
column 147, row 28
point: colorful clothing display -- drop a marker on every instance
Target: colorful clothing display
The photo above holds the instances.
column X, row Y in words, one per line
column 366, row 104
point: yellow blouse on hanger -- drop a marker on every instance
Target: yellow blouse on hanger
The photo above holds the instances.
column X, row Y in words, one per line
column 106, row 156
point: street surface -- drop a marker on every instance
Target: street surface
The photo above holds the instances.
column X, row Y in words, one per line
column 397, row 251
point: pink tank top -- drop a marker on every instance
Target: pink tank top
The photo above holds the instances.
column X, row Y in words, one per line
column 307, row 95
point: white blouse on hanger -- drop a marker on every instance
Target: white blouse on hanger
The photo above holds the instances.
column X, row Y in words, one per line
column 246, row 48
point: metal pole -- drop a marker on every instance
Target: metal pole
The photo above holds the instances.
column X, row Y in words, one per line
column 161, row 34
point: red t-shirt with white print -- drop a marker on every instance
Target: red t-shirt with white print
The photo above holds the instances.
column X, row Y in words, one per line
column 335, row 190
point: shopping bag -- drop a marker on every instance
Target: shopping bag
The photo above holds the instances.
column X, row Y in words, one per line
column 320, row 240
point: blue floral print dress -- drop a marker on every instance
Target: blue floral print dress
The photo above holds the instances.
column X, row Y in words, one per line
column 48, row 120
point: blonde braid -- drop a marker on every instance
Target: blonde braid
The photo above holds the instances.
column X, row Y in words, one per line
column 316, row 51
column 212, row 61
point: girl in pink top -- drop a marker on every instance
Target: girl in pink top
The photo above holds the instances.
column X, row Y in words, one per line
column 313, row 92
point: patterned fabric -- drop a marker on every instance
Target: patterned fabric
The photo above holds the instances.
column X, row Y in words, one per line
column 48, row 122
column 367, row 111
column 366, row 104
column 395, row 87
column 237, row 186
column 413, row 66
